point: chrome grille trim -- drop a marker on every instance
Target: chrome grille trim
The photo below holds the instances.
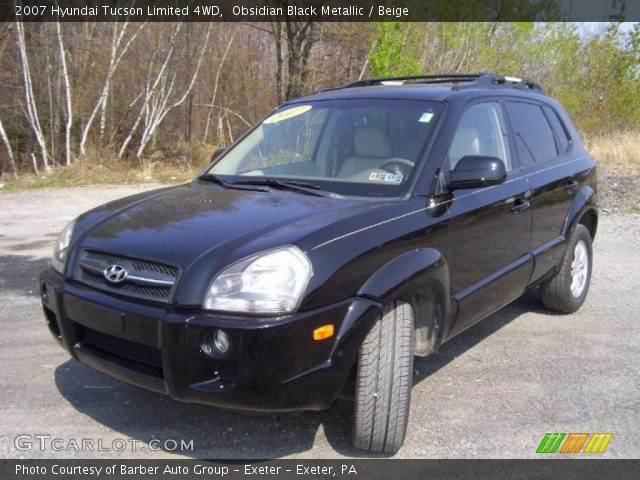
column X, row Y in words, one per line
column 148, row 281
column 145, row 279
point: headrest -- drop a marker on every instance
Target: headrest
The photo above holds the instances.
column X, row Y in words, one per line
column 371, row 142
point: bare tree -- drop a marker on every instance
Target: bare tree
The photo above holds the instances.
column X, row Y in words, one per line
column 150, row 88
column 158, row 109
column 276, row 33
column 159, row 90
column 215, row 89
column 5, row 140
column 300, row 39
column 114, row 61
column 31, row 109
column 53, row 110
column 67, row 90
column 226, row 112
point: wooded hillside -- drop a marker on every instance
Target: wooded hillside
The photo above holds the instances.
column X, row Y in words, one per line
column 105, row 91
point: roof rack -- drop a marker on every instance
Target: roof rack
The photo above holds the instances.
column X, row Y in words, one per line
column 436, row 78
column 472, row 80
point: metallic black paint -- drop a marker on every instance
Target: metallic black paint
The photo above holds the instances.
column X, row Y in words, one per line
column 471, row 251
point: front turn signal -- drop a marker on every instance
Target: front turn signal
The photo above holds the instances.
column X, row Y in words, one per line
column 323, row 332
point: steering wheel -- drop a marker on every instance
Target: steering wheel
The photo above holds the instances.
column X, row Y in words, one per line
column 398, row 166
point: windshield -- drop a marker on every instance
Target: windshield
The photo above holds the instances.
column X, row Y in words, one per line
column 351, row 147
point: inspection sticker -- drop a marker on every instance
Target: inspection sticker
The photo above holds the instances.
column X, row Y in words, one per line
column 386, row 177
column 290, row 113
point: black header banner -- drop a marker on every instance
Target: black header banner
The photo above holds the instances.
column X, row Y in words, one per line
column 319, row 10
column 372, row 469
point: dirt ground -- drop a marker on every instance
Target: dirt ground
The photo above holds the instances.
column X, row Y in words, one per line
column 618, row 192
column 491, row 392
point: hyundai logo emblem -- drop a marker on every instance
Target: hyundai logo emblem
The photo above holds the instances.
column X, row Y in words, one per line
column 115, row 273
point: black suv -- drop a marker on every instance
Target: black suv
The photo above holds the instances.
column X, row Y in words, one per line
column 345, row 233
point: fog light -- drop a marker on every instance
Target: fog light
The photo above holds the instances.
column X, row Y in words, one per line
column 220, row 344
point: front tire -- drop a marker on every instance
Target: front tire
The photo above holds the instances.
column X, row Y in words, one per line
column 384, row 380
column 567, row 290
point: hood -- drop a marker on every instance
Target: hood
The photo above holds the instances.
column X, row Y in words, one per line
column 182, row 225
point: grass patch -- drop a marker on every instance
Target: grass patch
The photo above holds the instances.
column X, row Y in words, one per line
column 169, row 167
column 618, row 152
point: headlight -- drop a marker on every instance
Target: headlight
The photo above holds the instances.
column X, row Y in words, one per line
column 271, row 282
column 61, row 248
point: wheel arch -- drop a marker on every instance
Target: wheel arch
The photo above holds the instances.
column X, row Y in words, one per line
column 590, row 220
column 583, row 211
column 419, row 277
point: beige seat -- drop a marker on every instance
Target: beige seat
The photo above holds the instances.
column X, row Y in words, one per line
column 372, row 149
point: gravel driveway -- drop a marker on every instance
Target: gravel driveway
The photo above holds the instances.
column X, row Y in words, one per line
column 491, row 392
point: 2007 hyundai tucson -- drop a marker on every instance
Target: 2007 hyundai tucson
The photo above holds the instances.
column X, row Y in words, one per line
column 345, row 233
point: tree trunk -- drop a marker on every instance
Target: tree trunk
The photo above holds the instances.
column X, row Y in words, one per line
column 150, row 89
column 114, row 60
column 188, row 121
column 53, row 121
column 276, row 31
column 157, row 109
column 215, row 90
column 300, row 38
column 5, row 140
column 34, row 162
column 32, row 111
column 67, row 92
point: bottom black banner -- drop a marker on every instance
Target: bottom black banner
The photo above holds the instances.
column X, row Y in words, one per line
column 370, row 469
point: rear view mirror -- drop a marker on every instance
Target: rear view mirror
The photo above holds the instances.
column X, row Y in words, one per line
column 217, row 153
column 476, row 171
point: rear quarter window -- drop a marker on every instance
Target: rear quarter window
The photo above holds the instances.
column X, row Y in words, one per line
column 559, row 129
column 533, row 136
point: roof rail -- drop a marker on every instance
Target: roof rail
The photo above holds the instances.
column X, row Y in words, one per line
column 471, row 80
column 435, row 78
column 493, row 80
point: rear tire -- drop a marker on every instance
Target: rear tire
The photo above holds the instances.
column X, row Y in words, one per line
column 384, row 380
column 567, row 290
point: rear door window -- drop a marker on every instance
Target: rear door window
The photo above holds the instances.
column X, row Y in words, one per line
column 533, row 135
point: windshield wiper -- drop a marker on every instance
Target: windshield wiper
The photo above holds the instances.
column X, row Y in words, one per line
column 210, row 177
column 308, row 188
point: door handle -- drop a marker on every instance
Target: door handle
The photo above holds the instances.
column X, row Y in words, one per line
column 519, row 205
column 571, row 185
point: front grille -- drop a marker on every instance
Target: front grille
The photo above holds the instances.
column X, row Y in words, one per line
column 131, row 289
column 145, row 279
column 119, row 347
column 137, row 264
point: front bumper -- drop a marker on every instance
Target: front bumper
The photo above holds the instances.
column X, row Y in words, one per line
column 272, row 366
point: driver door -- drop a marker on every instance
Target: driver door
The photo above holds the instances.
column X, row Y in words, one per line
column 490, row 227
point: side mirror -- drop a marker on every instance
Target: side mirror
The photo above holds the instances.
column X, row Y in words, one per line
column 217, row 153
column 476, row 171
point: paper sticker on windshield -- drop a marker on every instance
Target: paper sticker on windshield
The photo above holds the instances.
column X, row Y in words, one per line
column 292, row 112
column 386, row 177
column 426, row 117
